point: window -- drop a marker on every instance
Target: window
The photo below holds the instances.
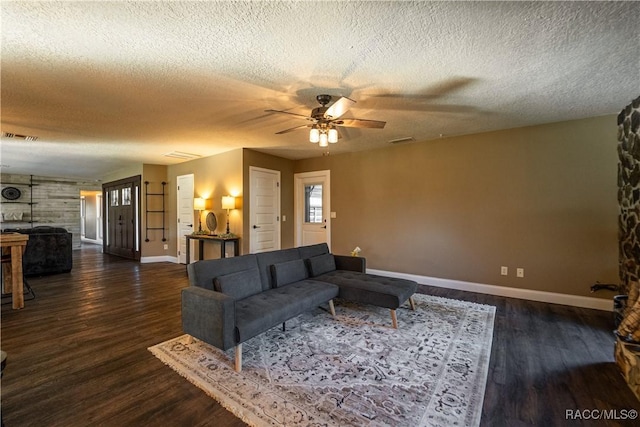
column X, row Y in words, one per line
column 126, row 196
column 114, row 199
column 313, row 203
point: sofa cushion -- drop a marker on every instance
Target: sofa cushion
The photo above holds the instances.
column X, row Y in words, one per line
column 239, row 285
column 267, row 309
column 202, row 273
column 267, row 259
column 313, row 250
column 321, row 264
column 284, row 273
column 382, row 291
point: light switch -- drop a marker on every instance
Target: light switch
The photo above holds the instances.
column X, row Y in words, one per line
column 333, row 214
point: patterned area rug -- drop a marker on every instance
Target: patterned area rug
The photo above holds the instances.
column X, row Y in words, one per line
column 354, row 370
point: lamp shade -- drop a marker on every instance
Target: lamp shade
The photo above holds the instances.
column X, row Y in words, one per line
column 198, row 204
column 314, row 135
column 228, row 202
column 333, row 136
column 323, row 140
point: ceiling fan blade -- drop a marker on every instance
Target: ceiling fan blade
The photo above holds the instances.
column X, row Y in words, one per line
column 339, row 107
column 286, row 112
column 292, row 129
column 360, row 123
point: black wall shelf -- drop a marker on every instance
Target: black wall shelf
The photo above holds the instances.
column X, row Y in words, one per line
column 162, row 211
column 31, row 220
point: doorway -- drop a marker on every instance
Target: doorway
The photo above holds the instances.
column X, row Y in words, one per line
column 122, row 217
column 312, row 191
column 91, row 217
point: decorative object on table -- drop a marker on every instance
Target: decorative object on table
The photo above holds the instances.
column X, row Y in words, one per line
column 352, row 370
column 356, row 251
column 199, row 205
column 212, row 222
column 11, row 193
column 228, row 203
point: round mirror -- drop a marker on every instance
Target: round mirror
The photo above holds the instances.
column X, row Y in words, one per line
column 212, row 222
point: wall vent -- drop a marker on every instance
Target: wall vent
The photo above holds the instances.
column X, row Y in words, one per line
column 18, row 136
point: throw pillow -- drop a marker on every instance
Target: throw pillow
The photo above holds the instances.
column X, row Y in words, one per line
column 321, row 264
column 239, row 285
column 288, row 272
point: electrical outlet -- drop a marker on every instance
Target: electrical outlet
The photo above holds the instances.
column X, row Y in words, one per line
column 166, row 247
column 504, row 270
column 519, row 272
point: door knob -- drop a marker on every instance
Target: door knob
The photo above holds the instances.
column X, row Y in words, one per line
column 189, row 225
column 255, row 226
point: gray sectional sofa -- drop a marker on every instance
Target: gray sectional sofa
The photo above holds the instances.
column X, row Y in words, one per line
column 231, row 300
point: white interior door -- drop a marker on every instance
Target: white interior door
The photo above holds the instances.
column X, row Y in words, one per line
column 264, row 210
column 185, row 214
column 312, row 201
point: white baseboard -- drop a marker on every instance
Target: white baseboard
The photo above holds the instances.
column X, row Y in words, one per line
column 504, row 291
column 161, row 258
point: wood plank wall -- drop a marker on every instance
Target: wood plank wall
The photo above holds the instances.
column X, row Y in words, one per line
column 56, row 202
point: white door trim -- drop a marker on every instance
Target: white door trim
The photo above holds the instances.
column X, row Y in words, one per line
column 298, row 202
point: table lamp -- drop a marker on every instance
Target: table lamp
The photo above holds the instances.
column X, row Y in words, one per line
column 228, row 203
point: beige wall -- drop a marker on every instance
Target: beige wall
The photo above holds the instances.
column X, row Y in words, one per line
column 214, row 177
column 285, row 166
column 155, row 175
column 123, row 173
column 542, row 198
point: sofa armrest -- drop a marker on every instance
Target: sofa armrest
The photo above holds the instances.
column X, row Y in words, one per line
column 209, row 316
column 350, row 263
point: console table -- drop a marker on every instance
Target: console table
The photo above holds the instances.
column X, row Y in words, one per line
column 14, row 244
column 201, row 238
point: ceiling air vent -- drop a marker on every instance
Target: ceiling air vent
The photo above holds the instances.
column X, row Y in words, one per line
column 182, row 155
column 17, row 136
column 401, row 140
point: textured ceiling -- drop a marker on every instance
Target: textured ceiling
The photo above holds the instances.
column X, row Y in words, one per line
column 105, row 84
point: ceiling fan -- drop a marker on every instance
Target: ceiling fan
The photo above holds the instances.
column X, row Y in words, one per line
column 324, row 120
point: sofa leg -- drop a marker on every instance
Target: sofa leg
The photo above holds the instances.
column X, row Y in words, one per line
column 238, row 352
column 332, row 308
column 394, row 319
column 412, row 303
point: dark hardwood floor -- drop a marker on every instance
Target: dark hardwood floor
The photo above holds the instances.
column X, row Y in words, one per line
column 78, row 354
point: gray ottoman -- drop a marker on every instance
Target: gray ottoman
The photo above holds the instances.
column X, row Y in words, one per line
column 371, row 289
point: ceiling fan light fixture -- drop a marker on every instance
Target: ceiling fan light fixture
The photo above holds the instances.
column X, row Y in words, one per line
column 333, row 136
column 314, row 135
column 324, row 140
